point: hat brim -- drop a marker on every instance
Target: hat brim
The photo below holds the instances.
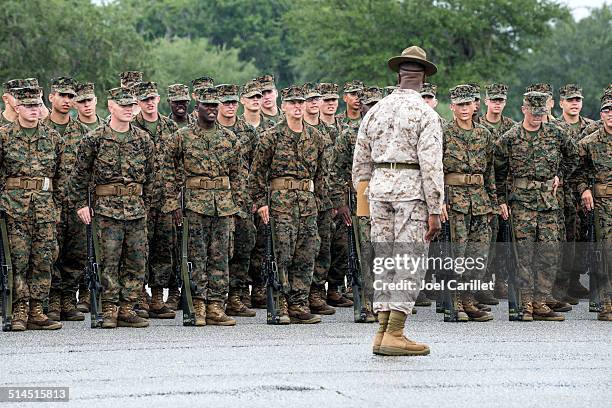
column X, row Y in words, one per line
column 352, row 90
column 330, row 96
column 313, row 95
column 497, row 96
column 268, row 88
column 80, row 98
column 455, row 101
column 231, row 98
column 179, row 98
column 606, row 105
column 209, row 101
column 30, row 101
column 125, row 101
column 147, row 96
column 294, row 98
column 251, row 94
column 574, row 95
column 395, row 62
column 433, row 95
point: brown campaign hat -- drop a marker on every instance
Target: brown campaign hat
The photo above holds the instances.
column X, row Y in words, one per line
column 413, row 54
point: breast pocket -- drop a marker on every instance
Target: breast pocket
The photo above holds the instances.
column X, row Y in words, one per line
column 136, row 161
column 105, row 165
column 520, row 157
column 46, row 156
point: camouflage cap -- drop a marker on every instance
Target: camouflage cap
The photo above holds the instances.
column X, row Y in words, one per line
column 606, row 100
column 31, row 82
column 207, row 95
column 389, row 89
column 570, row 91
column 475, row 90
column 292, row 93
column 63, row 85
column 29, row 95
column 541, row 88
column 536, row 101
column 328, row 90
column 461, row 94
column 84, row 90
column 227, row 92
column 144, row 90
column 13, row 84
column 250, row 89
column 122, row 96
column 178, row 92
column 130, row 78
column 496, row 91
column 371, row 94
column 310, row 90
column 352, row 86
column 202, row 82
column 266, row 82
column 429, row 89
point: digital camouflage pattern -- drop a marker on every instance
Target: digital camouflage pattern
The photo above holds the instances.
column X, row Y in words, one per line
column 202, row 82
column 250, row 88
column 496, row 91
column 429, row 89
column 178, row 92
column 84, row 90
column 145, row 90
column 461, row 94
column 475, row 89
column 541, row 88
column 228, row 92
column 570, row 91
column 128, row 79
column 65, row 85
column 32, row 214
column 328, row 90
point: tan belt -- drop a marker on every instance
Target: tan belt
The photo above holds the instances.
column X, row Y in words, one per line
column 290, row 183
column 602, row 190
column 29, row 183
column 397, row 166
column 118, row 189
column 527, row 184
column 461, row 179
column 208, row 183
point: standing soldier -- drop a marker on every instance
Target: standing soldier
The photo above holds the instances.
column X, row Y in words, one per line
column 71, row 233
column 399, row 153
column 244, row 228
column 250, row 98
column 470, row 177
column 596, row 163
column 352, row 114
column 178, row 100
column 290, row 162
column 530, row 160
column 118, row 159
column 160, row 226
column 86, row 102
column 201, row 82
column 9, row 115
column 31, row 166
column 329, row 105
column 269, row 109
column 209, row 159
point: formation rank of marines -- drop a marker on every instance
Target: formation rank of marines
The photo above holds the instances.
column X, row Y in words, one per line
column 292, row 163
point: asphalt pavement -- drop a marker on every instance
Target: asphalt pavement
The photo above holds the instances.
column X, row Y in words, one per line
column 491, row 364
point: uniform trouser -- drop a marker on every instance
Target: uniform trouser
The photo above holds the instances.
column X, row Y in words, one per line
column 537, row 245
column 257, row 254
column 72, row 239
column 568, row 237
column 323, row 259
column 297, row 245
column 161, row 234
column 603, row 207
column 124, row 248
column 398, row 230
column 244, row 242
column 367, row 256
column 209, row 252
column 339, row 255
column 472, row 238
column 34, row 249
column 500, row 273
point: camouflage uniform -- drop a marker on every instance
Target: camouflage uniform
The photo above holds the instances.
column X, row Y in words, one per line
column 266, row 83
column 532, row 160
column 470, row 180
column 596, row 162
column 350, row 87
column 210, row 164
column 293, row 166
column 180, row 92
column 122, row 169
column 402, row 129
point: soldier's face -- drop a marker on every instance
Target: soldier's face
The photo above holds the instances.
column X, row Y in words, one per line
column 61, row 102
column 476, row 105
column 269, row 98
column 294, row 109
column 251, row 103
column 463, row 111
column 495, row 106
column 149, row 105
column 352, row 100
column 313, row 105
column 531, row 119
column 208, row 111
column 28, row 113
column 178, row 108
column 431, row 101
column 571, row 106
column 122, row 113
column 228, row 109
column 329, row 106
column 606, row 118
column 87, row 107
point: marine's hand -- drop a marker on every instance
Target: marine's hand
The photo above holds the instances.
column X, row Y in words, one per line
column 345, row 214
column 505, row 211
column 85, row 215
column 587, row 200
column 264, row 213
column 434, row 227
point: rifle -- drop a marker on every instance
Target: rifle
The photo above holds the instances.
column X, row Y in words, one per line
column 188, row 285
column 275, row 282
column 446, row 251
column 6, row 280
column 92, row 272
column 594, row 258
column 355, row 268
column 509, row 260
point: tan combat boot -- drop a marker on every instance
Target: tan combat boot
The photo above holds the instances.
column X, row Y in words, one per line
column 245, row 297
column 127, row 317
column 300, row 314
column 383, row 319
column 37, row 320
column 370, row 318
column 69, row 310
column 336, row 299
column 109, row 315
column 20, row 316
column 84, row 300
column 605, row 315
column 542, row 312
column 215, row 315
column 461, row 315
column 394, row 343
column 199, row 309
column 157, row 307
column 258, row 297
column 54, row 308
column 526, row 306
column 474, row 313
column 284, row 311
column 174, row 298
column 235, row 307
column 317, row 304
column 557, row 305
column 142, row 305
